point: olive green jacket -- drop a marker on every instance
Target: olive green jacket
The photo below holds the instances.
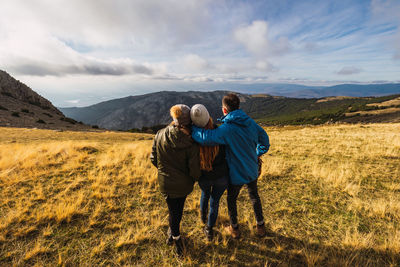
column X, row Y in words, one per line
column 176, row 157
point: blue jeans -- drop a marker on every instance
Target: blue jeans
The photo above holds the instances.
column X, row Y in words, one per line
column 212, row 189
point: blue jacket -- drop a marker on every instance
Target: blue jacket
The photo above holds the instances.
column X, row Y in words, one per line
column 245, row 140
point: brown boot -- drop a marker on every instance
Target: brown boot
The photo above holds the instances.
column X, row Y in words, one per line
column 261, row 232
column 234, row 232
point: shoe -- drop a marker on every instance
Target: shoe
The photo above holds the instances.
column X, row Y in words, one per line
column 209, row 232
column 179, row 247
column 170, row 240
column 234, row 232
column 261, row 232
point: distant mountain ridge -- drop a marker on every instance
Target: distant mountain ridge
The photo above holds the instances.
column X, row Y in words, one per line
column 296, row 90
column 144, row 110
column 153, row 109
column 355, row 90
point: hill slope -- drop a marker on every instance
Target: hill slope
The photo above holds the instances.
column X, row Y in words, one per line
column 20, row 106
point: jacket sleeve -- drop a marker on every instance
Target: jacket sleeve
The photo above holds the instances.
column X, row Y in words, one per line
column 210, row 137
column 194, row 162
column 263, row 141
column 153, row 155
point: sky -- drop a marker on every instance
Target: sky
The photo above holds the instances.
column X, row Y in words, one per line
column 77, row 53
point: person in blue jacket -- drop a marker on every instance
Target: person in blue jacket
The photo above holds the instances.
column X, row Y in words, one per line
column 245, row 142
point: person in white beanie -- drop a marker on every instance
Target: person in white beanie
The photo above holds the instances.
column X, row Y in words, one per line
column 214, row 178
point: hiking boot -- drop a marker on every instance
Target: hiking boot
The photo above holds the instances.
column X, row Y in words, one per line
column 234, row 232
column 170, row 240
column 179, row 246
column 209, row 232
column 261, row 232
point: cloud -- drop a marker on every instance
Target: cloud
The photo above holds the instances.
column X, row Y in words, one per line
column 396, row 44
column 74, row 101
column 386, row 12
column 195, row 62
column 266, row 66
column 85, row 67
column 65, row 46
column 255, row 38
column 104, row 23
column 199, row 79
column 41, row 39
column 349, row 71
column 311, row 47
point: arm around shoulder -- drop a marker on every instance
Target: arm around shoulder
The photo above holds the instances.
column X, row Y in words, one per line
column 210, row 137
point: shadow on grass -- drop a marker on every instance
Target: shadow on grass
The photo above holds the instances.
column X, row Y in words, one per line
column 276, row 250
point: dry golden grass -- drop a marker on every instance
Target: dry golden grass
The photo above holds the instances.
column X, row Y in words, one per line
column 330, row 197
column 333, row 98
column 373, row 112
column 392, row 102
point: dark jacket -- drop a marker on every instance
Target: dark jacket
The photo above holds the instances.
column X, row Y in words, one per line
column 219, row 167
column 176, row 157
column 245, row 141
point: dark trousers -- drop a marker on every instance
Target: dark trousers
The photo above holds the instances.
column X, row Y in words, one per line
column 175, row 208
column 233, row 193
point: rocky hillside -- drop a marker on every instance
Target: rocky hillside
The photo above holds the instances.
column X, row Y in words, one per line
column 153, row 109
column 20, row 106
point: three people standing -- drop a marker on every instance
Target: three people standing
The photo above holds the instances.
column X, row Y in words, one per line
column 226, row 158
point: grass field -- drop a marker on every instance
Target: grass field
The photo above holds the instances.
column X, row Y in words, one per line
column 331, row 196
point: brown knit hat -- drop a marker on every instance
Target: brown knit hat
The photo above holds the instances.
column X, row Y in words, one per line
column 180, row 114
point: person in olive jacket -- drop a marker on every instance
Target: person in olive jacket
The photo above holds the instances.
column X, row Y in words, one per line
column 176, row 157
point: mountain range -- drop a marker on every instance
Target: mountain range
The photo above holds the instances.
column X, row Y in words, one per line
column 153, row 109
column 20, row 106
column 294, row 90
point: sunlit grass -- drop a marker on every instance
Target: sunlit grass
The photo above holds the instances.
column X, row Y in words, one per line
column 330, row 197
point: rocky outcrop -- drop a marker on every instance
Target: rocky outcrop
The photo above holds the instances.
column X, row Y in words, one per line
column 15, row 89
column 20, row 106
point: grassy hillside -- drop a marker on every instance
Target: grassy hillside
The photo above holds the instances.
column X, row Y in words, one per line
column 330, row 196
column 297, row 111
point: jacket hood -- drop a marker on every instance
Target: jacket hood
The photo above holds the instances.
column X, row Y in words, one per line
column 238, row 117
column 176, row 138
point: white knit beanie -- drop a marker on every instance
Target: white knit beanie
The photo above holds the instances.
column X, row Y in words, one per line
column 199, row 115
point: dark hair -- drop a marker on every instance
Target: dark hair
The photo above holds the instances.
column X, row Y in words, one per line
column 231, row 101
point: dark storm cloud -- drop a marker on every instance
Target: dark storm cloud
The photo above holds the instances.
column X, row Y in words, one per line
column 93, row 68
